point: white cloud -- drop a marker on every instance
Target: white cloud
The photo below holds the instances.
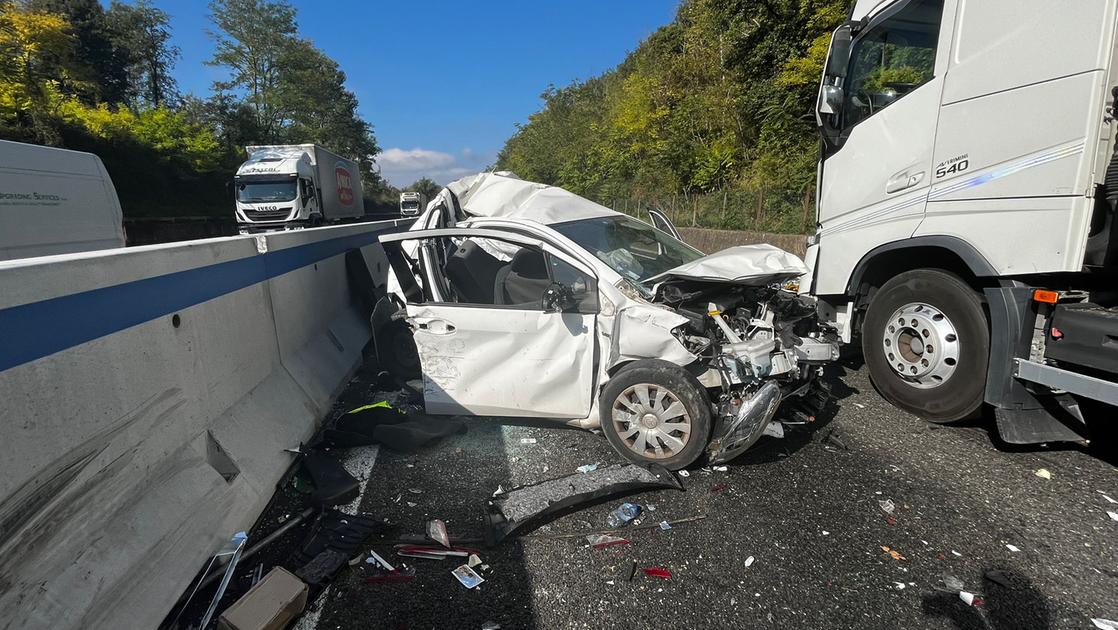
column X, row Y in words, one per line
column 403, row 166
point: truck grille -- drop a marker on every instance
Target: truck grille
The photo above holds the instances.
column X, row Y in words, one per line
column 279, row 214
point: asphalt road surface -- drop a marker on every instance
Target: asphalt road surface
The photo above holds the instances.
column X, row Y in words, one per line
column 808, row 508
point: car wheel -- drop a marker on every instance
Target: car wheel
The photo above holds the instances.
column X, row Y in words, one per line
column 654, row 411
column 927, row 345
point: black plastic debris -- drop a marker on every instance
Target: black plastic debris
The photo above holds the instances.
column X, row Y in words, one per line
column 322, row 567
column 333, row 485
column 335, row 531
column 382, row 423
column 531, row 505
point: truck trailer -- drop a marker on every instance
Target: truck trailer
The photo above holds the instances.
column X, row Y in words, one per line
column 299, row 185
column 967, row 190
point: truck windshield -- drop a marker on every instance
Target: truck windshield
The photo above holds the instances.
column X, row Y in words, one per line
column 252, row 192
column 410, row 205
column 633, row 248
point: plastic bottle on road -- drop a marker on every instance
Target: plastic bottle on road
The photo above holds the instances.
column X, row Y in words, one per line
column 624, row 513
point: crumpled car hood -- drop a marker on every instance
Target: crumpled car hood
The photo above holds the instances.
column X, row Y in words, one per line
column 754, row 265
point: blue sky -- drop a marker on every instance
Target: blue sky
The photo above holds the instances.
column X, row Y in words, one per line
column 445, row 82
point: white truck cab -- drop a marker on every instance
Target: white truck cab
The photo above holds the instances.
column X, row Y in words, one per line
column 966, row 147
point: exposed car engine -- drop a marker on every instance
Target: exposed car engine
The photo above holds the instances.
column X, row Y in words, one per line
column 761, row 345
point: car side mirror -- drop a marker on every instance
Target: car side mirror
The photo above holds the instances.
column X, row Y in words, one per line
column 559, row 298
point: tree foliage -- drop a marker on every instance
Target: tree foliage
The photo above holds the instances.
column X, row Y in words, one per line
column 717, row 100
column 426, row 187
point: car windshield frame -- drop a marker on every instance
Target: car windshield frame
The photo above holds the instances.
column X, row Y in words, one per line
column 637, row 264
column 246, row 186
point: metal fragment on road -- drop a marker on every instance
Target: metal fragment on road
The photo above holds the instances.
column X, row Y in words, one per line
column 887, row 506
column 533, row 504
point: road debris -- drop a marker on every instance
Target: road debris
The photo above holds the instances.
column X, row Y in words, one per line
column 436, row 531
column 899, row 586
column 376, row 559
column 717, row 488
column 473, row 560
column 887, row 506
column 998, row 577
column 664, row 525
column 893, row 553
column 956, row 553
column 1043, row 473
column 970, row 599
column 952, row 583
column 720, row 468
column 533, row 504
column 774, row 429
column 274, row 601
column 585, row 468
column 684, row 474
column 432, row 553
column 1012, row 548
column 490, row 625
column 402, row 574
column 623, row 514
column 601, row 541
column 527, row 440
column 1105, row 624
column 467, row 576
column 749, row 561
column 657, row 572
column 1108, row 499
column 1113, row 515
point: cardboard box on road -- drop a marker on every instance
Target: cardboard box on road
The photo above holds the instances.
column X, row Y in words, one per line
column 270, row 605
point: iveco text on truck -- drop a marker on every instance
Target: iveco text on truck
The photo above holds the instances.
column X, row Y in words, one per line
column 967, row 193
column 296, row 185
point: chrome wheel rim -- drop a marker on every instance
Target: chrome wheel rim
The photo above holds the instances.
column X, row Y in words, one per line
column 921, row 345
column 651, row 421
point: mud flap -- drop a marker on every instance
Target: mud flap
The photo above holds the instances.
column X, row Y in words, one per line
column 532, row 505
column 1058, row 420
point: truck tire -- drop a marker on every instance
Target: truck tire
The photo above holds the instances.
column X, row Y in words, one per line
column 926, row 342
column 654, row 411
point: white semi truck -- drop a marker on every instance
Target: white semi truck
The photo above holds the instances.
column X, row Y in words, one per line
column 296, row 185
column 966, row 207
column 411, row 203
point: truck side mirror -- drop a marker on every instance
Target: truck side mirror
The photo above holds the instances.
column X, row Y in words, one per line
column 830, row 99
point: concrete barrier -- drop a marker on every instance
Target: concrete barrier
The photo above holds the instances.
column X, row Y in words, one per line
column 148, row 394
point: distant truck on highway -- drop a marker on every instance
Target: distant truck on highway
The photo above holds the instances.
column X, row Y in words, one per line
column 55, row 201
column 411, row 203
column 968, row 190
column 296, row 185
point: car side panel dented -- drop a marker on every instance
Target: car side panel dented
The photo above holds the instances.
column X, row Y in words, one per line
column 644, row 331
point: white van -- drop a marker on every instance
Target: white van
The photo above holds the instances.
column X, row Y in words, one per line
column 54, row 201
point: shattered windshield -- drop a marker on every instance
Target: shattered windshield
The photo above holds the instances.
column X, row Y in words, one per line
column 251, row 192
column 632, row 248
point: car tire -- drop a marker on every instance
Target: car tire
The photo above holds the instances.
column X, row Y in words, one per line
column 628, row 423
column 931, row 327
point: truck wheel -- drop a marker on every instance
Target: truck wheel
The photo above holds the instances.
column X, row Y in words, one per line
column 654, row 411
column 927, row 345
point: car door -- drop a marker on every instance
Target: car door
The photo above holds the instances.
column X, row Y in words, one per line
column 661, row 222
column 499, row 352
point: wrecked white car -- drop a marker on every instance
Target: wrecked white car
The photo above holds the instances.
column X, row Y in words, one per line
column 525, row 300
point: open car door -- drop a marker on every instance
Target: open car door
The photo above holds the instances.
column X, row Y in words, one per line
column 505, row 325
column 661, row 222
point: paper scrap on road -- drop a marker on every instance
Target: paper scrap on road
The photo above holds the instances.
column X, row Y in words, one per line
column 1012, row 548
column 467, row 576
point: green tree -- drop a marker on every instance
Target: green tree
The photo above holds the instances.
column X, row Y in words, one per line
column 106, row 65
column 251, row 38
column 426, row 187
column 34, row 47
column 142, row 35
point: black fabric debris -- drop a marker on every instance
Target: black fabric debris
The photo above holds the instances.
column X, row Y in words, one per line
column 333, row 485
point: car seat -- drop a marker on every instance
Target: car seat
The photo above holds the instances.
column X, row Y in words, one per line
column 472, row 272
column 524, row 280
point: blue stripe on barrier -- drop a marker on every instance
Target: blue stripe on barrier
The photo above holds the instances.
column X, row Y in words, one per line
column 33, row 331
